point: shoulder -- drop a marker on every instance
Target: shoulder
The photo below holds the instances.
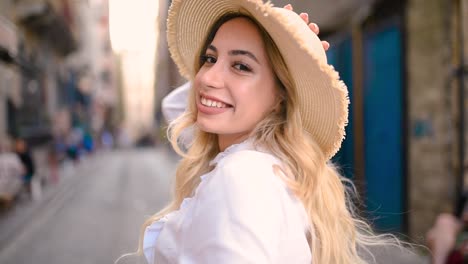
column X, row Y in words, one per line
column 251, row 159
column 249, row 171
column 248, row 162
column 245, row 184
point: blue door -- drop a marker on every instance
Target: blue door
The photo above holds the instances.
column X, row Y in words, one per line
column 383, row 126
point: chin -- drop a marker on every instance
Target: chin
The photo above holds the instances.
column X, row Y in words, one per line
column 208, row 128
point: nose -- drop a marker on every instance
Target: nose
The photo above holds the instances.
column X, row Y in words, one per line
column 212, row 76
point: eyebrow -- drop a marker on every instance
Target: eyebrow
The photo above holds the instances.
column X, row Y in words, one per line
column 237, row 52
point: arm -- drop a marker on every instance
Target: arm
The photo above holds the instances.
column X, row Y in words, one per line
column 441, row 237
column 174, row 104
column 239, row 215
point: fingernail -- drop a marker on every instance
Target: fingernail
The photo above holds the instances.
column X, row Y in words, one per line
column 314, row 25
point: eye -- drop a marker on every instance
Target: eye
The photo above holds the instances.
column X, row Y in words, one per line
column 242, row 67
column 210, row 59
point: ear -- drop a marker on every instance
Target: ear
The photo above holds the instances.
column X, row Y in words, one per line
column 278, row 107
column 280, row 99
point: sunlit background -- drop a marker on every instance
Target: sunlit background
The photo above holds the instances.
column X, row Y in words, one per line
column 133, row 35
column 81, row 82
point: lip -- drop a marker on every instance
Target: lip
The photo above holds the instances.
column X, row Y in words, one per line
column 211, row 110
column 213, row 99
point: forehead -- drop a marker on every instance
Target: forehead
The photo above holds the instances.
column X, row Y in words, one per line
column 241, row 33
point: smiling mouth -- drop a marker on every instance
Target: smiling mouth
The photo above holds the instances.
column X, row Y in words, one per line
column 213, row 103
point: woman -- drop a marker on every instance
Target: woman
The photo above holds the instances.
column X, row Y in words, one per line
column 255, row 185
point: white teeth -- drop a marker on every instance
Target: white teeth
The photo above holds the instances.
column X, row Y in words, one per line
column 210, row 103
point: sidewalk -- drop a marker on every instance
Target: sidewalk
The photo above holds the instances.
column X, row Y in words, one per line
column 24, row 207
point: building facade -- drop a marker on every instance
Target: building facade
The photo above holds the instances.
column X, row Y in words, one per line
column 406, row 139
column 57, row 72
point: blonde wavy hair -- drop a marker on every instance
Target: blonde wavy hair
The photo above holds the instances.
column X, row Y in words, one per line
column 337, row 234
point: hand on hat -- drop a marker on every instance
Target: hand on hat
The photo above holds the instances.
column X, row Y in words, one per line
column 314, row 27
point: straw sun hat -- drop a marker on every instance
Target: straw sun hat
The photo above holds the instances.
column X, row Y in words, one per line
column 323, row 98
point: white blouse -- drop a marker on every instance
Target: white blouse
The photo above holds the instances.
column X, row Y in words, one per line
column 174, row 104
column 241, row 212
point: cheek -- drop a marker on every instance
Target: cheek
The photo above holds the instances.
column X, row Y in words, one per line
column 267, row 94
column 196, row 86
column 196, row 82
column 255, row 102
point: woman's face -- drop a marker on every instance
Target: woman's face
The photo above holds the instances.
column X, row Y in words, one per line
column 235, row 86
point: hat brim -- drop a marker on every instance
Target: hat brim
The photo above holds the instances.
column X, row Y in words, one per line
column 323, row 98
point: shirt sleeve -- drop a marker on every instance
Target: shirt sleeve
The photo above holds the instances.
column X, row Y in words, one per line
column 175, row 103
column 239, row 215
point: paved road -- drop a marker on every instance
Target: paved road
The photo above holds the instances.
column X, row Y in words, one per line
column 96, row 215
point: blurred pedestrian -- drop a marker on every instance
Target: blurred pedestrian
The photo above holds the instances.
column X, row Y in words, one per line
column 88, row 142
column 24, row 154
column 267, row 112
column 11, row 172
column 107, row 139
column 448, row 237
column 73, row 144
column 53, row 159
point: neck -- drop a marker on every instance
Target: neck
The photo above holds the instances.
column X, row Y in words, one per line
column 224, row 141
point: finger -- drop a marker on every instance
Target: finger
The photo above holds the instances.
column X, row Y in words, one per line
column 305, row 17
column 325, row 45
column 315, row 28
column 288, row 7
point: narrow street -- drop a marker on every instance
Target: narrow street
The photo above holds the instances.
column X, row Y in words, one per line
column 96, row 214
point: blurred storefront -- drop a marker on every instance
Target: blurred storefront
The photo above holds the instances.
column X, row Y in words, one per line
column 57, row 73
column 96, row 65
column 47, row 41
column 10, row 86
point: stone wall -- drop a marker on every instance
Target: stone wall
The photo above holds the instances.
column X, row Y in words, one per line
column 431, row 104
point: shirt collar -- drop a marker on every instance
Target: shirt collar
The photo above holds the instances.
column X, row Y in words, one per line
column 244, row 145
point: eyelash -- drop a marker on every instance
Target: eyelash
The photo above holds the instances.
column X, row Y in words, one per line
column 242, row 67
column 204, row 59
column 237, row 65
